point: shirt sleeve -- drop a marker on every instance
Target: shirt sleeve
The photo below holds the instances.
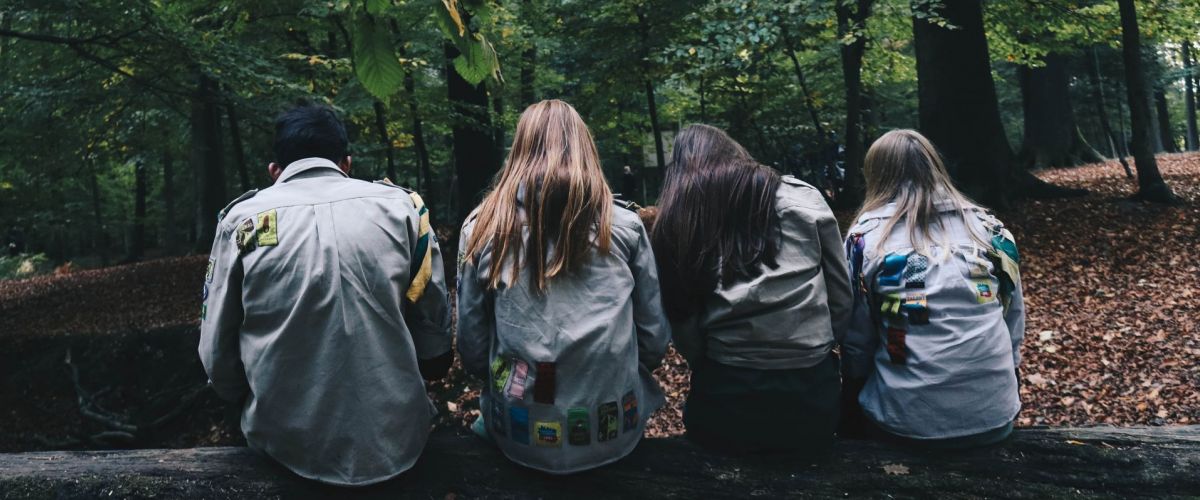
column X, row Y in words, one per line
column 650, row 320
column 476, row 328
column 837, row 276
column 428, row 317
column 221, row 317
column 861, row 339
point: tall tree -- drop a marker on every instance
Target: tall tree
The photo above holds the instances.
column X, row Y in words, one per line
column 1162, row 111
column 475, row 159
column 385, row 140
column 528, row 55
column 1117, row 147
column 1151, row 186
column 207, row 159
column 1051, row 137
column 137, row 245
column 1189, row 96
column 851, row 25
column 643, row 30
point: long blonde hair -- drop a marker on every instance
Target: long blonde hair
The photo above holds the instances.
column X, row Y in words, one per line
column 904, row 168
column 551, row 181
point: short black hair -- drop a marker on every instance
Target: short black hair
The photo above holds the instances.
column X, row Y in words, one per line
column 309, row 131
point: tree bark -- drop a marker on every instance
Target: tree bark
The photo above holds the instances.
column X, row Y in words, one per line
column 207, row 160
column 1189, row 93
column 1164, row 121
column 137, row 247
column 170, row 229
column 239, row 153
column 1151, row 186
column 474, row 150
column 852, row 58
column 100, row 238
column 1102, row 112
column 385, row 141
column 1051, row 137
column 659, row 152
column 425, row 176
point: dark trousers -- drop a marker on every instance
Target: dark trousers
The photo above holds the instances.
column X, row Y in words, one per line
column 744, row 410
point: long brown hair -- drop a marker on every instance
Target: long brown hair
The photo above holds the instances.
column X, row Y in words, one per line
column 716, row 218
column 904, row 168
column 551, row 181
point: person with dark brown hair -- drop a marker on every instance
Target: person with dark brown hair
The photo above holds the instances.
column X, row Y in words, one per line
column 754, row 282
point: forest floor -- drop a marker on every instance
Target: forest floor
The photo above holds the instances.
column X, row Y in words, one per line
column 1112, row 289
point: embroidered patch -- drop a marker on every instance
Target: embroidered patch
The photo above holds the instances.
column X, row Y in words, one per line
column 578, row 433
column 204, row 293
column 977, row 263
column 892, row 270
column 266, row 225
column 245, row 236
column 915, row 271
column 516, row 383
column 607, row 423
column 983, row 291
column 208, row 273
column 496, row 417
column 917, row 309
column 544, row 383
column 548, row 433
column 203, row 311
column 518, row 420
column 500, row 372
column 890, row 305
column 630, row 405
column 896, row 349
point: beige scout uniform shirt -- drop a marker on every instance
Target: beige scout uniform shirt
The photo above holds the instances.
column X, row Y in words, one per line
column 305, row 317
column 786, row 317
column 568, row 370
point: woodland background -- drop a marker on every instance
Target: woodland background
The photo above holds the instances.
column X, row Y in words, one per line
column 126, row 125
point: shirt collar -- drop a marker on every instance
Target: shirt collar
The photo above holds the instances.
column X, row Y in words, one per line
column 307, row 165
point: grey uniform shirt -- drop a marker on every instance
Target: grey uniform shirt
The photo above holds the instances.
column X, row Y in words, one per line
column 568, row 371
column 306, row 322
column 786, row 317
column 948, row 371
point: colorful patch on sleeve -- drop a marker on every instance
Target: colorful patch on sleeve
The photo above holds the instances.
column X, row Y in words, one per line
column 245, row 236
column 896, row 348
column 607, row 422
column 629, row 405
column 208, row 273
column 203, row 311
column 267, row 228
column 548, row 433
column 977, row 264
column 500, row 372
column 890, row 305
column 516, row 383
column 518, row 420
column 917, row 308
column 915, row 271
column 544, row 383
column 984, row 292
column 892, row 269
column 578, row 431
column 496, row 416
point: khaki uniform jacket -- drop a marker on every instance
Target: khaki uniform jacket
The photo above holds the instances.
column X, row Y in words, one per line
column 937, row 336
column 786, row 317
column 306, row 321
column 568, row 371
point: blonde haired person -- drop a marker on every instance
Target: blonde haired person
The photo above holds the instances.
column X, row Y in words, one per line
column 938, row 316
column 558, row 303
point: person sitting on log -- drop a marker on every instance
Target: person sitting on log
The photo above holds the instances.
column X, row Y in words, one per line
column 932, row 351
column 755, row 286
column 324, row 306
column 558, row 303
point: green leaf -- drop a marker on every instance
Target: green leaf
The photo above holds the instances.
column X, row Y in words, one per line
column 376, row 7
column 375, row 61
column 477, row 62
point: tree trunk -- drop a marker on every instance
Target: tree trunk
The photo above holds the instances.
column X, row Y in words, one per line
column 1052, row 138
column 1164, row 121
column 425, row 176
column 385, row 141
column 852, row 59
column 528, row 59
column 137, row 247
column 100, row 235
column 1102, row 112
column 474, row 150
column 170, row 229
column 239, row 154
column 652, row 108
column 1151, row 186
column 1189, row 93
column 207, row 161
column 808, row 100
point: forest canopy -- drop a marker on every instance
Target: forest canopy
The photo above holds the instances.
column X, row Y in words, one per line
column 129, row 124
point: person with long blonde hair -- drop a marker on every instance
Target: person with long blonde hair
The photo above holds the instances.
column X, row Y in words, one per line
column 932, row 352
column 755, row 285
column 558, row 303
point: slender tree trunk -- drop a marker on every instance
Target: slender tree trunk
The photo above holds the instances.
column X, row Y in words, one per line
column 1164, row 121
column 703, row 102
column 100, row 240
column 239, row 154
column 528, row 59
column 425, row 175
column 651, row 105
column 1189, row 94
column 137, row 247
column 1102, row 112
column 1151, row 186
column 385, row 141
column 170, row 229
column 474, row 150
column 852, row 57
column 207, row 160
column 1051, row 138
column 808, row 100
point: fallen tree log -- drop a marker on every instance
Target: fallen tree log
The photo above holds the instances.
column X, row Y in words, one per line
column 1036, row 462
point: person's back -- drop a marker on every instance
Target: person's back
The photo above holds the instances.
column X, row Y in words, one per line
column 323, row 296
column 566, row 340
column 939, row 316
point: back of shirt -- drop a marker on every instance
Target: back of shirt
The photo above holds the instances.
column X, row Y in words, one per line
column 306, row 308
column 936, row 333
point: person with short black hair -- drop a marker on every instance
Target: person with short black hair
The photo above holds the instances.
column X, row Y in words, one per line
column 324, row 306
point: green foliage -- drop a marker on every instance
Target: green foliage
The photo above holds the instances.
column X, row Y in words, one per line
column 375, row 62
column 23, row 266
